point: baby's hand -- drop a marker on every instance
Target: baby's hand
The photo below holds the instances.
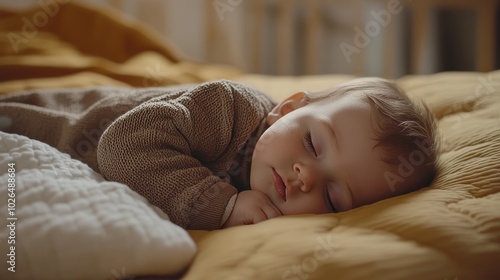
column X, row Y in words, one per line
column 251, row 207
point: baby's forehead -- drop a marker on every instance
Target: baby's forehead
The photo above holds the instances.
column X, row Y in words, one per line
column 349, row 115
column 347, row 103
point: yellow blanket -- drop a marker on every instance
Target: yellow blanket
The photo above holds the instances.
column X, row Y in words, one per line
column 69, row 45
column 450, row 230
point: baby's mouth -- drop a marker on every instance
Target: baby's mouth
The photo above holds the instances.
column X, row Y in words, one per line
column 279, row 185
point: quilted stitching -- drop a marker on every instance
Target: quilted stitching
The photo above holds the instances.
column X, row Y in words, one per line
column 72, row 224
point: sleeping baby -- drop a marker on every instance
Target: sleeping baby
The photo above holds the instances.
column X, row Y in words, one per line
column 222, row 154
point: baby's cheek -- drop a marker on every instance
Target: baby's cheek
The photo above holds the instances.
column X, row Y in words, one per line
column 264, row 141
column 275, row 136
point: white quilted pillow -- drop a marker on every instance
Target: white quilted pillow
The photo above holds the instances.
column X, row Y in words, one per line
column 72, row 224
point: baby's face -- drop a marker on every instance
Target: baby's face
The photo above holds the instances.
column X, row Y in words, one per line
column 320, row 158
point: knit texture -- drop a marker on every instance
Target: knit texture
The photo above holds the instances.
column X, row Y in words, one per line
column 72, row 120
column 187, row 152
column 187, row 148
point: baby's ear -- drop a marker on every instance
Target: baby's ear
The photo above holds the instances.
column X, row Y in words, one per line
column 293, row 102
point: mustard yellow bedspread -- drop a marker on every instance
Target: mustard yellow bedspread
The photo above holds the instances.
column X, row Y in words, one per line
column 72, row 45
column 450, row 230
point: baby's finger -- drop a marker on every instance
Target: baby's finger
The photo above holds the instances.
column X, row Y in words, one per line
column 259, row 216
column 278, row 211
column 271, row 210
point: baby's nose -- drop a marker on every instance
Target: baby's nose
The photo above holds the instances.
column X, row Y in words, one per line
column 305, row 175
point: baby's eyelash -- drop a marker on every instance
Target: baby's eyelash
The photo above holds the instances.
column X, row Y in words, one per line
column 329, row 201
column 308, row 143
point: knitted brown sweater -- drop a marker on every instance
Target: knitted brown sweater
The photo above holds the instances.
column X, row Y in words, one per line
column 186, row 151
column 185, row 148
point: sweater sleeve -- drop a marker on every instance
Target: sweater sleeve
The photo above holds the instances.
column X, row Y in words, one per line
column 161, row 149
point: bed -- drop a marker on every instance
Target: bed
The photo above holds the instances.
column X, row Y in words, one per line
column 67, row 222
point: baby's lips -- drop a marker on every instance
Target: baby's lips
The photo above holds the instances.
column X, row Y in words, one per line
column 279, row 185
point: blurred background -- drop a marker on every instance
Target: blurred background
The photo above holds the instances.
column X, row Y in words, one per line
column 386, row 38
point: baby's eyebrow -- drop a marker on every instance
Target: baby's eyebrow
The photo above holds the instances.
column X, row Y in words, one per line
column 326, row 125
